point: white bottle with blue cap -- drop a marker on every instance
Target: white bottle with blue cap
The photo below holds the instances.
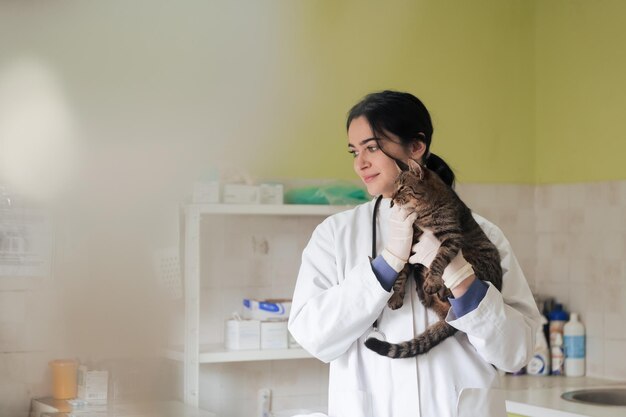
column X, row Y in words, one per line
column 574, row 344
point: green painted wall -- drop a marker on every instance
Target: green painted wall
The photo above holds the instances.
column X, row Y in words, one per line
column 470, row 62
column 520, row 91
column 581, row 90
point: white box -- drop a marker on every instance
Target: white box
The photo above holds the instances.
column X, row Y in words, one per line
column 274, row 334
column 242, row 334
column 269, row 309
column 92, row 385
column 241, row 194
column 271, row 194
column 206, row 192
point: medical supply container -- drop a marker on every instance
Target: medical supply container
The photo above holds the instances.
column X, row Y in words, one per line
column 574, row 343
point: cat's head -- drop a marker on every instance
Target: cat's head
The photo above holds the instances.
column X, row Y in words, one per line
column 410, row 185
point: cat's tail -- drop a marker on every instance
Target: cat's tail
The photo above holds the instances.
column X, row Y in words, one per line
column 431, row 337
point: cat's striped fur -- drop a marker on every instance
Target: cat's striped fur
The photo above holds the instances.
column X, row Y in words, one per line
column 441, row 210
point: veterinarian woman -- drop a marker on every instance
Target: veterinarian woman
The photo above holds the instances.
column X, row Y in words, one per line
column 341, row 292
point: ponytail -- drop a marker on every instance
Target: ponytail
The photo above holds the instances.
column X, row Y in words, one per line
column 441, row 168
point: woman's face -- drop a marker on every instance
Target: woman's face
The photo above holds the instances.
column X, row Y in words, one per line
column 377, row 171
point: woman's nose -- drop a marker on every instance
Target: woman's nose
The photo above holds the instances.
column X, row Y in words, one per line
column 362, row 161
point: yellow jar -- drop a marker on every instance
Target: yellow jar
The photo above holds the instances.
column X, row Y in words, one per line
column 64, row 372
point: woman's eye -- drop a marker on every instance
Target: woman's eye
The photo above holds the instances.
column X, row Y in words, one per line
column 372, row 148
column 353, row 153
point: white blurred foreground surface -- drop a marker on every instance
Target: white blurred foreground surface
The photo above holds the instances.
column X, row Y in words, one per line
column 297, row 413
column 46, row 407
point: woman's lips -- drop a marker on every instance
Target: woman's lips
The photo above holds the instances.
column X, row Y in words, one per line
column 369, row 178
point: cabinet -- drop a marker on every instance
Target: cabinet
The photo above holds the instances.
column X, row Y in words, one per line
column 193, row 354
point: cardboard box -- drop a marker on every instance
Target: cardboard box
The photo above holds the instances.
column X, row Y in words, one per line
column 242, row 334
column 92, row 385
column 271, row 193
column 241, row 194
column 274, row 335
column 206, row 192
column 269, row 309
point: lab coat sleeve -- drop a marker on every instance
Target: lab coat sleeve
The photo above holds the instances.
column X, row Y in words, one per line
column 503, row 327
column 331, row 311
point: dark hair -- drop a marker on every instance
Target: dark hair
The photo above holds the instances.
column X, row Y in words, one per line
column 405, row 116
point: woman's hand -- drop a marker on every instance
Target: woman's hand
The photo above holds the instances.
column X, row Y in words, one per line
column 400, row 237
column 424, row 253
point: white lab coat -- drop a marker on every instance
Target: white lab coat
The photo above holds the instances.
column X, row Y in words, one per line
column 337, row 298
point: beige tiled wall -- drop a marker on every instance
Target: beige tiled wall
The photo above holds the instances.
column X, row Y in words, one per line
column 569, row 239
column 572, row 247
column 253, row 256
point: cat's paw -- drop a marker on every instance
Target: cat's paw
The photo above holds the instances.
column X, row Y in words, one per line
column 396, row 300
column 432, row 285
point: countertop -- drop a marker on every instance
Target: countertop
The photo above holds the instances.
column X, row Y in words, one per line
column 47, row 407
column 540, row 396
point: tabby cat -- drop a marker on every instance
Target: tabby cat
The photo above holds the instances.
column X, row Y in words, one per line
column 438, row 209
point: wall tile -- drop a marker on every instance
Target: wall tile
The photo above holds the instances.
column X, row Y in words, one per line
column 614, row 364
column 553, row 270
column 297, row 377
column 297, row 404
column 578, row 299
column 16, row 399
column 615, row 326
column 10, row 336
column 595, row 360
column 594, row 323
column 13, row 306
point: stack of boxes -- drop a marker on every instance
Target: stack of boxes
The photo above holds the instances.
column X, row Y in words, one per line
column 263, row 326
column 214, row 192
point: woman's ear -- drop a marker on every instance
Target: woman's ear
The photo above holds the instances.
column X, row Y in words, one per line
column 418, row 149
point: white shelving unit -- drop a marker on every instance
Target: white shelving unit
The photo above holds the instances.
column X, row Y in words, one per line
column 217, row 354
column 192, row 353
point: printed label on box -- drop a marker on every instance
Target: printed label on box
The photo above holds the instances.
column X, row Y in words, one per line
column 92, row 385
column 271, row 309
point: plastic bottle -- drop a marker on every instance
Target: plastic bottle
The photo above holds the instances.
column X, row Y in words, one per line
column 558, row 318
column 574, row 344
column 540, row 362
column 557, row 356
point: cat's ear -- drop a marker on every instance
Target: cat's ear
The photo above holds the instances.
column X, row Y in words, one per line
column 416, row 169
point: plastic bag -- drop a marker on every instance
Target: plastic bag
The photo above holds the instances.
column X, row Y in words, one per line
column 336, row 193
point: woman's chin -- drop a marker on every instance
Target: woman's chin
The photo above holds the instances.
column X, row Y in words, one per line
column 373, row 191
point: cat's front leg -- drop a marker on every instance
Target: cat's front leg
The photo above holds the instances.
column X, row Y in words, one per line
column 433, row 281
column 399, row 288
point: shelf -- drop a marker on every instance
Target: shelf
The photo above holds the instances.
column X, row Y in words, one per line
column 268, row 209
column 218, row 354
column 195, row 354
